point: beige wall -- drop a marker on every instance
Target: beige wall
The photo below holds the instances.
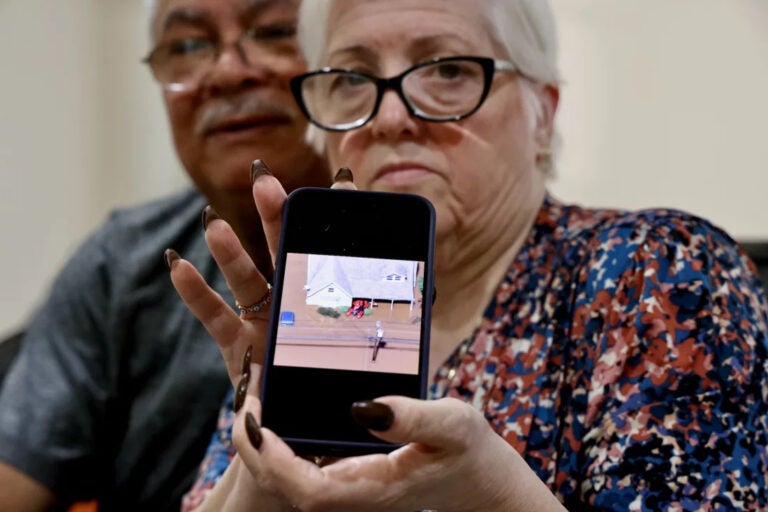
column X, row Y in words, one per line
column 664, row 104
column 81, row 131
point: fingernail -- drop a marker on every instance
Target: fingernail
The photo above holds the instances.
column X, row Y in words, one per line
column 247, row 360
column 344, row 174
column 373, row 415
column 209, row 214
column 257, row 169
column 253, row 430
column 170, row 256
column 242, row 390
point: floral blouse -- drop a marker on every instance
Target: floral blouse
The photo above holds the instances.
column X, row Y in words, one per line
column 624, row 355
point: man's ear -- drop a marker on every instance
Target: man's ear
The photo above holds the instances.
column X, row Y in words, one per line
column 549, row 97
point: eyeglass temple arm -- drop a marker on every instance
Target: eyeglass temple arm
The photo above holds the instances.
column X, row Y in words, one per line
column 503, row 65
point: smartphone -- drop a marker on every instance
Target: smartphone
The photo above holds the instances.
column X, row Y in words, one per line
column 350, row 317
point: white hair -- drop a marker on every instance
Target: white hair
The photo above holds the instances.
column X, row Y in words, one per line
column 151, row 6
column 525, row 30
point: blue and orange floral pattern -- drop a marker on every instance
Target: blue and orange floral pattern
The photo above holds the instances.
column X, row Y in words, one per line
column 624, row 355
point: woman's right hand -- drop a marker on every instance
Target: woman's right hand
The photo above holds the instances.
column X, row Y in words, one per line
column 234, row 333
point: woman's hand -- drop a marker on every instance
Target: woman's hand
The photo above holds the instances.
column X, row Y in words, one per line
column 453, row 461
column 234, row 333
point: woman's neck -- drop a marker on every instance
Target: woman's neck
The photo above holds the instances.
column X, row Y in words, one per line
column 468, row 272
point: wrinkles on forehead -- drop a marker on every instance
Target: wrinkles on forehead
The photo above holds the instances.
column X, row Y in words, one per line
column 199, row 15
column 418, row 46
column 371, row 37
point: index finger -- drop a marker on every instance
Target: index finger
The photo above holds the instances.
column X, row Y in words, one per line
column 269, row 196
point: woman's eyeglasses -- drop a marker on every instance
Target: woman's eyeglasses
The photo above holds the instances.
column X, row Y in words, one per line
column 440, row 90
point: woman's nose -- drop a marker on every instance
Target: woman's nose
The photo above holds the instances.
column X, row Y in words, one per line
column 393, row 119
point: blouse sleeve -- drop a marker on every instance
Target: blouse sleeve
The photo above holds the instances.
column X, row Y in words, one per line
column 676, row 414
column 218, row 456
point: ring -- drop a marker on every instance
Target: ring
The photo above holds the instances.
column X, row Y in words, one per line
column 262, row 303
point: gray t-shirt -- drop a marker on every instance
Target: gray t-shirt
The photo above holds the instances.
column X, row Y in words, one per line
column 116, row 390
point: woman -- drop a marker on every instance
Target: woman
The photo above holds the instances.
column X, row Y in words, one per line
column 591, row 358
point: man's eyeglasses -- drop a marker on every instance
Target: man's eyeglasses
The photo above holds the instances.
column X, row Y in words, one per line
column 181, row 64
column 443, row 89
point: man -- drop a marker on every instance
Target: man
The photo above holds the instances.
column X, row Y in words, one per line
column 116, row 391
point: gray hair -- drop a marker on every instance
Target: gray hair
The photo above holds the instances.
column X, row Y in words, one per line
column 525, row 30
column 151, row 7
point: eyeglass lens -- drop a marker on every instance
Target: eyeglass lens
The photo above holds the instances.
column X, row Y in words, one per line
column 436, row 91
column 184, row 63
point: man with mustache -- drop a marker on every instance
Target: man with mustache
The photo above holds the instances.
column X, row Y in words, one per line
column 115, row 393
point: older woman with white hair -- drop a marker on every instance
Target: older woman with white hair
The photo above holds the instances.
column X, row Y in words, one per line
column 580, row 357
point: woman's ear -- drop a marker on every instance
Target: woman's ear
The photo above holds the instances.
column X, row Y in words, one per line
column 549, row 97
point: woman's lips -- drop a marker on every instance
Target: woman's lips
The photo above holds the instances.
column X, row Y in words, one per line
column 403, row 173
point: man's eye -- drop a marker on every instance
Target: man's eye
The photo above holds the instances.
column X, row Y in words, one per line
column 282, row 31
column 189, row 45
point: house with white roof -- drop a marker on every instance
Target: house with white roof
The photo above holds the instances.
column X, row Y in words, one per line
column 335, row 281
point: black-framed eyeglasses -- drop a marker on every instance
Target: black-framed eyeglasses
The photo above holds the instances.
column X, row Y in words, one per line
column 440, row 90
column 180, row 65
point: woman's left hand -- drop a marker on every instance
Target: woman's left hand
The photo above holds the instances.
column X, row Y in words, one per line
column 451, row 461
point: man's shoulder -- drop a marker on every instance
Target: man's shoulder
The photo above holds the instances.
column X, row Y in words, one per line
column 130, row 243
column 178, row 207
column 171, row 221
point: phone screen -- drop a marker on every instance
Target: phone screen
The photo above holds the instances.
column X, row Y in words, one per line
column 350, row 317
column 350, row 313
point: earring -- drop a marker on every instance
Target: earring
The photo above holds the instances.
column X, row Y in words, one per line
column 544, row 161
column 544, row 155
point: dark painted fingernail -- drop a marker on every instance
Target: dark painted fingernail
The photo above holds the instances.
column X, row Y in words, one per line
column 247, row 360
column 242, row 391
column 257, row 169
column 209, row 214
column 170, row 256
column 373, row 415
column 344, row 174
column 253, row 430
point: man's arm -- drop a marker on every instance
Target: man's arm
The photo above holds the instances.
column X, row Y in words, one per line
column 21, row 493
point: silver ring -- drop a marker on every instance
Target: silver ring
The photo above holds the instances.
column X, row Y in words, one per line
column 261, row 304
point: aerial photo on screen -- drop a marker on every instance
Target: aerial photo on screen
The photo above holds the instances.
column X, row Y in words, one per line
column 350, row 313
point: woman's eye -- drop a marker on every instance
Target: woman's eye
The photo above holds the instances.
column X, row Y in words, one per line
column 346, row 81
column 449, row 70
column 189, row 45
column 354, row 80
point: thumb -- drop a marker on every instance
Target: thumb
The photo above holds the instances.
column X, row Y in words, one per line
column 442, row 424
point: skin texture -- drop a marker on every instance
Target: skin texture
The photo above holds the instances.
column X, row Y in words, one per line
column 480, row 175
column 215, row 154
column 22, row 493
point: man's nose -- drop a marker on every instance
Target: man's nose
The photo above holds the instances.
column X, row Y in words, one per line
column 234, row 69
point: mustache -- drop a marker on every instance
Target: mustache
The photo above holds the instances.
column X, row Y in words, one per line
column 240, row 106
